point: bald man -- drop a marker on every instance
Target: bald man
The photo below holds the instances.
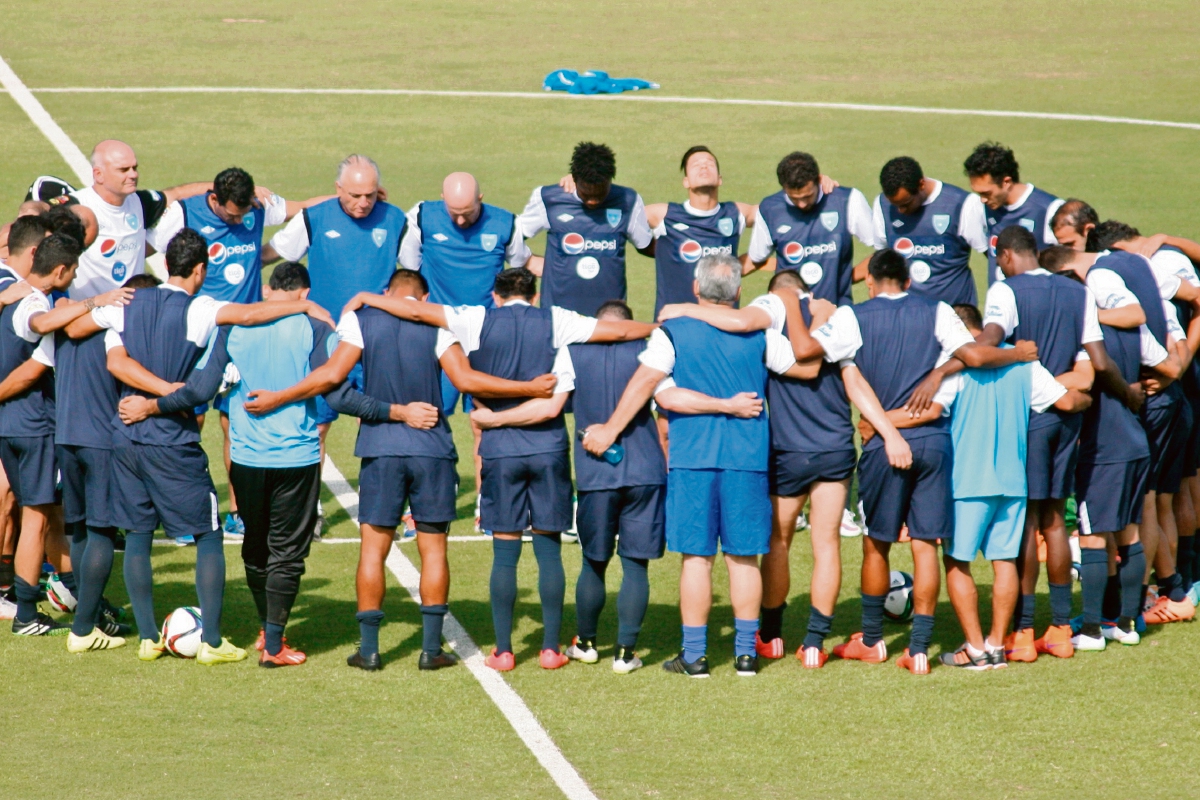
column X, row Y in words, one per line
column 123, row 213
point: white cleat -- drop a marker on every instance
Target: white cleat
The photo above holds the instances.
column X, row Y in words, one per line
column 8, row 609
column 850, row 528
column 582, row 651
column 801, row 522
column 1115, row 634
column 1082, row 641
column 626, row 662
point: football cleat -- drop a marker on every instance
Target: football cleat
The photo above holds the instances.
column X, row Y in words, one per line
column 1019, row 646
column 1081, row 641
column 40, row 625
column 1193, row 595
column 58, row 594
column 849, row 528
column 746, row 666
column 366, row 663
column 8, row 609
column 96, row 640
column 438, row 660
column 234, row 530
column 855, row 650
column 583, row 650
column 1056, row 641
column 407, row 530
column 812, row 657
column 552, row 659
column 286, row 657
column 917, row 665
column 1167, row 610
column 1151, row 598
column 696, row 669
column 1113, row 633
column 226, row 653
column 151, row 649
column 771, row 649
column 801, row 521
column 478, row 502
column 963, row 659
column 185, row 541
column 626, row 661
column 111, row 627
column 501, row 662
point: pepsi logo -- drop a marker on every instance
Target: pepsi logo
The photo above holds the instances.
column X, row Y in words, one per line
column 216, row 253
column 691, row 251
column 992, row 244
column 573, row 244
column 793, row 252
column 904, row 246
column 108, row 247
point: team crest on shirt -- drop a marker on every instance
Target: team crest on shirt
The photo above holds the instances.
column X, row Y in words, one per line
column 613, row 215
column 829, row 220
column 941, row 222
column 132, row 221
column 248, row 222
column 488, row 241
column 564, row 217
column 378, row 235
column 681, row 226
column 725, row 226
column 1026, row 223
column 332, row 235
column 440, row 237
column 782, row 229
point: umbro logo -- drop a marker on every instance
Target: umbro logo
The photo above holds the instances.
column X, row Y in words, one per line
column 564, row 218
column 440, row 237
column 783, row 229
column 207, row 229
column 332, row 235
column 680, row 226
column 897, row 223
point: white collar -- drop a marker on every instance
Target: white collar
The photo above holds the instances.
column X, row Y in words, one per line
column 1021, row 200
column 937, row 190
column 172, row 287
column 695, row 212
column 891, row 296
column 516, row 302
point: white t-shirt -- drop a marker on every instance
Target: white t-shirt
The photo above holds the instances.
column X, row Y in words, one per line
column 972, row 222
column 858, row 221
column 1046, row 391
column 660, row 229
column 771, row 304
column 30, row 306
column 291, row 243
column 1111, row 292
column 350, row 332
column 533, row 220
column 201, row 319
column 516, row 254
column 119, row 251
column 274, row 213
column 1175, row 263
column 1001, row 309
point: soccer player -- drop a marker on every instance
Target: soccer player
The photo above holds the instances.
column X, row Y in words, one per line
column 159, row 469
column 811, row 226
column 406, row 447
column 934, row 226
column 992, row 410
column 1114, row 454
column 812, row 454
column 896, row 339
column 995, row 176
column 526, row 474
column 584, row 263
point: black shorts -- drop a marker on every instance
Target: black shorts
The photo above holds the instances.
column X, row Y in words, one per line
column 1110, row 495
column 1051, row 456
column 635, row 514
column 32, row 472
column 1174, row 465
column 152, row 484
column 1191, row 453
column 430, row 485
column 920, row 496
column 279, row 508
column 1164, row 433
column 85, row 473
column 526, row 491
column 790, row 474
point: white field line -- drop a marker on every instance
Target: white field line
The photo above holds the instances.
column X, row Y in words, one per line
column 46, row 124
column 506, row 699
column 638, row 97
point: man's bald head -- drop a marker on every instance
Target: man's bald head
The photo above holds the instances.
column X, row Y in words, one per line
column 114, row 171
column 31, row 208
column 358, row 185
column 460, row 192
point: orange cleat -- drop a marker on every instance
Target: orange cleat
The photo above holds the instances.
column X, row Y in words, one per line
column 771, row 649
column 917, row 665
column 552, row 659
column 501, row 662
column 813, row 657
column 1056, row 641
column 857, row 651
column 260, row 643
column 286, row 657
column 1019, row 646
column 1167, row 610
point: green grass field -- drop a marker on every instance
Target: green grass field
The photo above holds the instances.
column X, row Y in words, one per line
column 1117, row 724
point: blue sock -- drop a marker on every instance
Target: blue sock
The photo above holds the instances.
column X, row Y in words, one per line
column 139, row 582
column 27, row 600
column 93, row 567
column 589, row 597
column 1131, row 570
column 506, row 553
column 695, row 642
column 273, row 636
column 921, row 634
column 552, row 586
column 210, row 583
column 819, row 626
column 1093, row 575
column 632, row 601
column 432, row 618
column 872, row 618
column 1172, row 587
column 77, row 537
column 1027, row 605
column 368, row 631
column 743, row 636
column 1060, row 604
column 1183, row 560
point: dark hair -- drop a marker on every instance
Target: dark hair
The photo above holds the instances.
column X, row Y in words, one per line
column 888, row 265
column 1078, row 215
column 593, row 164
column 617, row 308
column 26, row 232
column 410, row 278
column 1056, row 258
column 994, row 159
column 786, row 279
column 186, row 250
column 969, row 314
column 518, row 282
column 691, row 151
column 234, row 184
column 62, row 219
column 901, row 172
column 797, row 170
column 290, row 276
column 1110, row 232
column 58, row 249
column 1016, row 239
column 143, row 280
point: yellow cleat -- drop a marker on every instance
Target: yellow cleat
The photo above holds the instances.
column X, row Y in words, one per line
column 96, row 640
column 151, row 649
column 224, row 654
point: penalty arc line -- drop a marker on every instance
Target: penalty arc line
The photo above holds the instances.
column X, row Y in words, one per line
column 46, row 124
column 506, row 699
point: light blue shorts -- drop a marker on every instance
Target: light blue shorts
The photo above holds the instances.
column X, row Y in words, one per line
column 707, row 507
column 991, row 524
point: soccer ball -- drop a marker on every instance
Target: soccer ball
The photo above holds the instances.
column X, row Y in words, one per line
column 898, row 605
column 181, row 632
column 58, row 594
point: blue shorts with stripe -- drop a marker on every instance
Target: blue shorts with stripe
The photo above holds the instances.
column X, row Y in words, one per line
column 920, row 496
column 31, row 468
column 1110, row 495
column 630, row 520
column 152, row 484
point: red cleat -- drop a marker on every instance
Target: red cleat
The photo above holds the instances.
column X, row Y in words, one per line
column 1167, row 610
column 552, row 659
column 857, row 651
column 917, row 665
column 814, row 657
column 286, row 657
column 260, row 643
column 501, row 662
column 1019, row 646
column 771, row 649
column 1056, row 641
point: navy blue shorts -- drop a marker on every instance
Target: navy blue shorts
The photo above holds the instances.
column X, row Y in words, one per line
column 220, row 403
column 85, row 475
column 171, row 485
column 637, row 514
column 920, row 496
column 1162, row 423
column 1191, row 453
column 325, row 414
column 430, row 485
column 1174, row 465
column 710, row 506
column 790, row 474
column 526, row 491
column 31, row 468
column 1051, row 456
column 1110, row 495
column 450, row 396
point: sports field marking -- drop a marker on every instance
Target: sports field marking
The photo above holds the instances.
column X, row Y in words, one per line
column 633, row 97
column 46, row 124
column 506, row 699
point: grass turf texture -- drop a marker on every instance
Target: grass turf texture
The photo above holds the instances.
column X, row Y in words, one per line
column 325, row 731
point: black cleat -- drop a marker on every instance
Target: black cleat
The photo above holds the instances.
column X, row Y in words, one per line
column 746, row 666
column 436, row 660
column 369, row 663
column 40, row 625
column 111, row 627
column 696, row 669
